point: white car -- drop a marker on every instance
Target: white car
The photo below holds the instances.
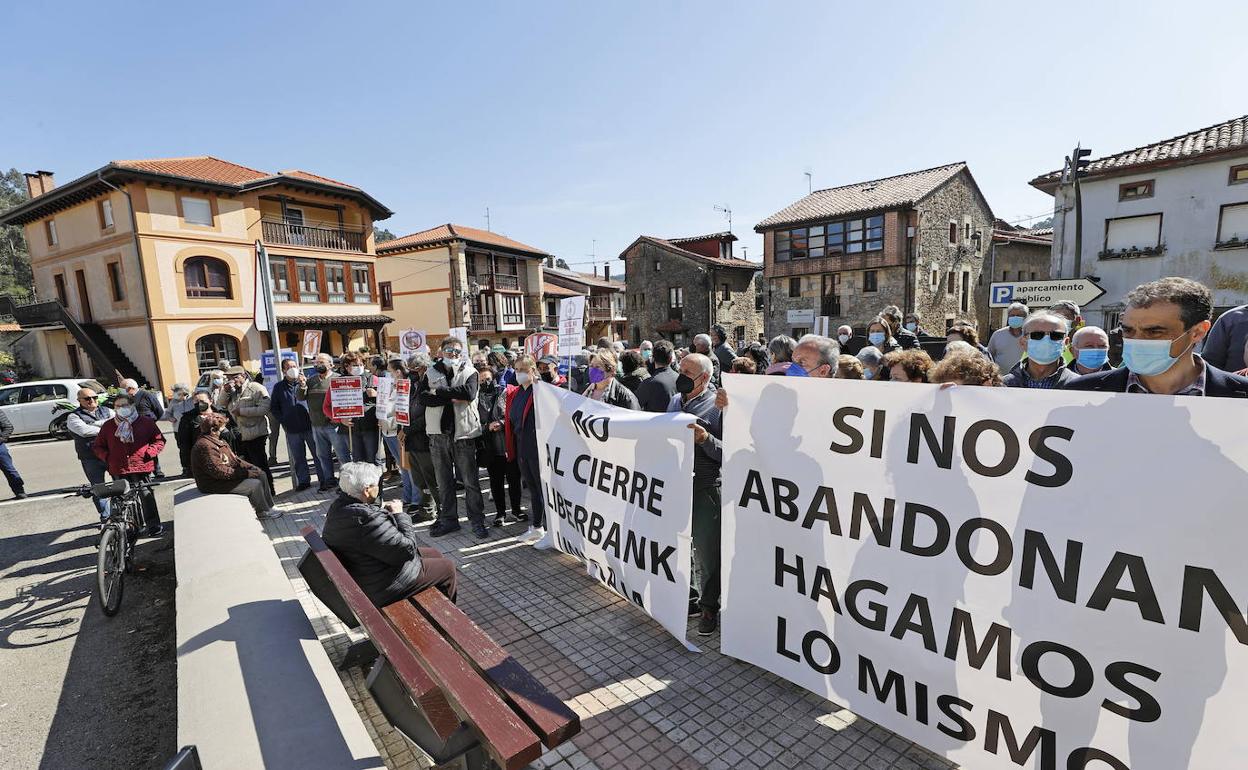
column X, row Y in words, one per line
column 29, row 405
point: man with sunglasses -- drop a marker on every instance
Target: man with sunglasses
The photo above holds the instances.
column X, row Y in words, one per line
column 1043, row 339
column 1162, row 326
column 85, row 423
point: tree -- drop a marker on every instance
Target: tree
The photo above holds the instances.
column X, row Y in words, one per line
column 1042, row 224
column 381, row 235
column 561, row 264
column 16, row 279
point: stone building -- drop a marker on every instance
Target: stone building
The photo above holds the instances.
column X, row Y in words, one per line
column 1018, row 254
column 679, row 287
column 917, row 240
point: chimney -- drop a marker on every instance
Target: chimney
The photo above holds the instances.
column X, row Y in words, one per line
column 606, row 272
column 550, row 262
column 39, row 183
column 595, row 271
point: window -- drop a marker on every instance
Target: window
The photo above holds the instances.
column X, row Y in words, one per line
column 362, row 283
column 966, row 291
column 869, row 281
column 207, row 277
column 1022, row 276
column 114, row 281
column 725, row 293
column 335, row 283
column 1005, row 275
column 50, row 228
column 1233, row 223
column 45, row 392
column 212, row 350
column 196, row 211
column 61, row 294
column 513, row 308
column 106, row 214
column 9, row 396
column 1033, row 276
column 1133, row 190
column 309, row 282
column 738, row 334
column 279, row 280
column 1141, row 232
column 795, row 287
column 387, row 295
column 953, row 233
column 676, row 296
column 1239, row 174
column 849, row 236
column 800, row 331
column 952, row 283
column 657, row 264
column 936, row 279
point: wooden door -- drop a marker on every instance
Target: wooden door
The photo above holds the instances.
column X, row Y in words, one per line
column 84, row 298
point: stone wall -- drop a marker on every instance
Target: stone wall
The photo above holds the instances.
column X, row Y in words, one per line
column 1017, row 261
column 957, row 201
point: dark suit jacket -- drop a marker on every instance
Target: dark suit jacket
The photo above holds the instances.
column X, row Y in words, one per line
column 1218, row 384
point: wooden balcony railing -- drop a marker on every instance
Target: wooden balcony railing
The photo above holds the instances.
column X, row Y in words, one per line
column 506, row 282
column 331, row 238
column 483, row 322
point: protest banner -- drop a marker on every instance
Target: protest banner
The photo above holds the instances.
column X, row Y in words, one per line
column 402, row 401
column 571, row 325
column 311, row 343
column 1062, row 590
column 541, row 344
column 346, row 397
column 618, row 490
column 385, row 396
column 412, row 341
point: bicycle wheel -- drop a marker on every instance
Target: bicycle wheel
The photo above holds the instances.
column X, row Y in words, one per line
column 109, row 578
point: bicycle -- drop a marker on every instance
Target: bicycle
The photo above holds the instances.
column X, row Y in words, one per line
column 118, row 535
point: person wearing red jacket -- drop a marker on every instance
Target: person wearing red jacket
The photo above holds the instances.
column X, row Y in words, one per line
column 129, row 445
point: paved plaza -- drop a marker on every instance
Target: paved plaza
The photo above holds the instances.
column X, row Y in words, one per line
column 644, row 701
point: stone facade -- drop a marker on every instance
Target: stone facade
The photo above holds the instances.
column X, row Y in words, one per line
column 1017, row 255
column 912, row 270
column 652, row 270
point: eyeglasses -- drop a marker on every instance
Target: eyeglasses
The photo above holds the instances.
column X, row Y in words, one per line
column 1055, row 336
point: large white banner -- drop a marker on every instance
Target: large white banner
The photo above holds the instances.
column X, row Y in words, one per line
column 618, row 490
column 1011, row 578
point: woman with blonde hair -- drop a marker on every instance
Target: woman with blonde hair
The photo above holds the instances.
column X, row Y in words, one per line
column 602, row 383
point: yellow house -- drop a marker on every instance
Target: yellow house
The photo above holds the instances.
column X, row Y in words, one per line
column 149, row 266
column 452, row 275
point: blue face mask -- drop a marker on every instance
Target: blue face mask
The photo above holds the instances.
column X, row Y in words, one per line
column 1149, row 357
column 867, row 374
column 876, row 338
column 1092, row 358
column 796, row 370
column 912, row 326
column 1015, row 322
column 1044, row 351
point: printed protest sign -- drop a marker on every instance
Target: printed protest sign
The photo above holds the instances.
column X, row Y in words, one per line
column 618, row 490
column 311, row 343
column 346, row 397
column 385, row 396
column 413, row 341
column 1061, row 588
column 571, row 325
column 402, row 401
column 541, row 344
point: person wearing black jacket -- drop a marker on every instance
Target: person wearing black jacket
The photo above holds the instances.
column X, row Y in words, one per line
column 492, row 448
column 656, row 393
column 378, row 545
column 6, row 460
column 188, row 428
column 416, row 442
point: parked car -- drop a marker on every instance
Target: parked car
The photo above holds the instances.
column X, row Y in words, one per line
column 32, row 407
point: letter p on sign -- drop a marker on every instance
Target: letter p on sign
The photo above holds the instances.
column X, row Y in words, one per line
column 1002, row 294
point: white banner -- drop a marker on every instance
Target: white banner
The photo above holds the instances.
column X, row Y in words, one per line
column 618, row 490
column 1042, row 579
column 571, row 325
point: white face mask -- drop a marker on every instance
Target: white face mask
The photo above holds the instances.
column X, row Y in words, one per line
column 292, row 373
column 125, row 412
column 357, row 370
column 523, row 378
column 844, row 338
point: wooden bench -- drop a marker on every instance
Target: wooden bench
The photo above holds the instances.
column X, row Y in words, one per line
column 464, row 686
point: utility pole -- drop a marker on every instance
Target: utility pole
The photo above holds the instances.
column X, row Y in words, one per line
column 1077, row 162
column 727, row 210
column 487, row 219
column 809, row 182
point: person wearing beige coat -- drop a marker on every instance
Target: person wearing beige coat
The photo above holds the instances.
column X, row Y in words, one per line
column 247, row 402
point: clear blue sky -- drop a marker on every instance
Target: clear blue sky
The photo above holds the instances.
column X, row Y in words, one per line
column 583, row 121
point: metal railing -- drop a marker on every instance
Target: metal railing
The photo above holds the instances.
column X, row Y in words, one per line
column 504, row 281
column 483, row 322
column 312, row 237
column 552, row 322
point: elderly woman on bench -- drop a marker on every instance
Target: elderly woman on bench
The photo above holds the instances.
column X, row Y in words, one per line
column 377, row 544
column 218, row 471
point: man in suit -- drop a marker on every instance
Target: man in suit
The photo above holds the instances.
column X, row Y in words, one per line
column 655, row 393
column 1164, row 322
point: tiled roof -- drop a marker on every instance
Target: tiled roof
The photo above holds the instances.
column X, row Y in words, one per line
column 1022, row 236
column 204, row 167
column 308, row 175
column 586, row 278
column 1228, row 136
column 710, row 237
column 452, row 232
column 874, row 195
column 715, row 261
column 555, row 290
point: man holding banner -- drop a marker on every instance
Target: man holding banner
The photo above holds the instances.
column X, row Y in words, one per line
column 696, row 396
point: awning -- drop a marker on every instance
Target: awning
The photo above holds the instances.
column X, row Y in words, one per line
column 306, row 321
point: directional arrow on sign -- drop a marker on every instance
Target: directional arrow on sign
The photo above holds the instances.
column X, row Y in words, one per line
column 1036, row 294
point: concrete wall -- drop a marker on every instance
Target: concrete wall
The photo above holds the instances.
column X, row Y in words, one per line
column 1189, row 198
column 421, row 286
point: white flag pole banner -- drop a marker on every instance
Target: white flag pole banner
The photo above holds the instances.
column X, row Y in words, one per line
column 1042, row 579
column 618, row 490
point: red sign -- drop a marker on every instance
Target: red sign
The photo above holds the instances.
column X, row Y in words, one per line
column 346, row 398
column 402, row 400
column 541, row 344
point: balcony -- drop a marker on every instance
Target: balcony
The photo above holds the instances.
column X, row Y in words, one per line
column 504, row 282
column 483, row 322
column 675, row 314
column 279, row 231
column 830, row 306
column 599, row 308
column 552, row 321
